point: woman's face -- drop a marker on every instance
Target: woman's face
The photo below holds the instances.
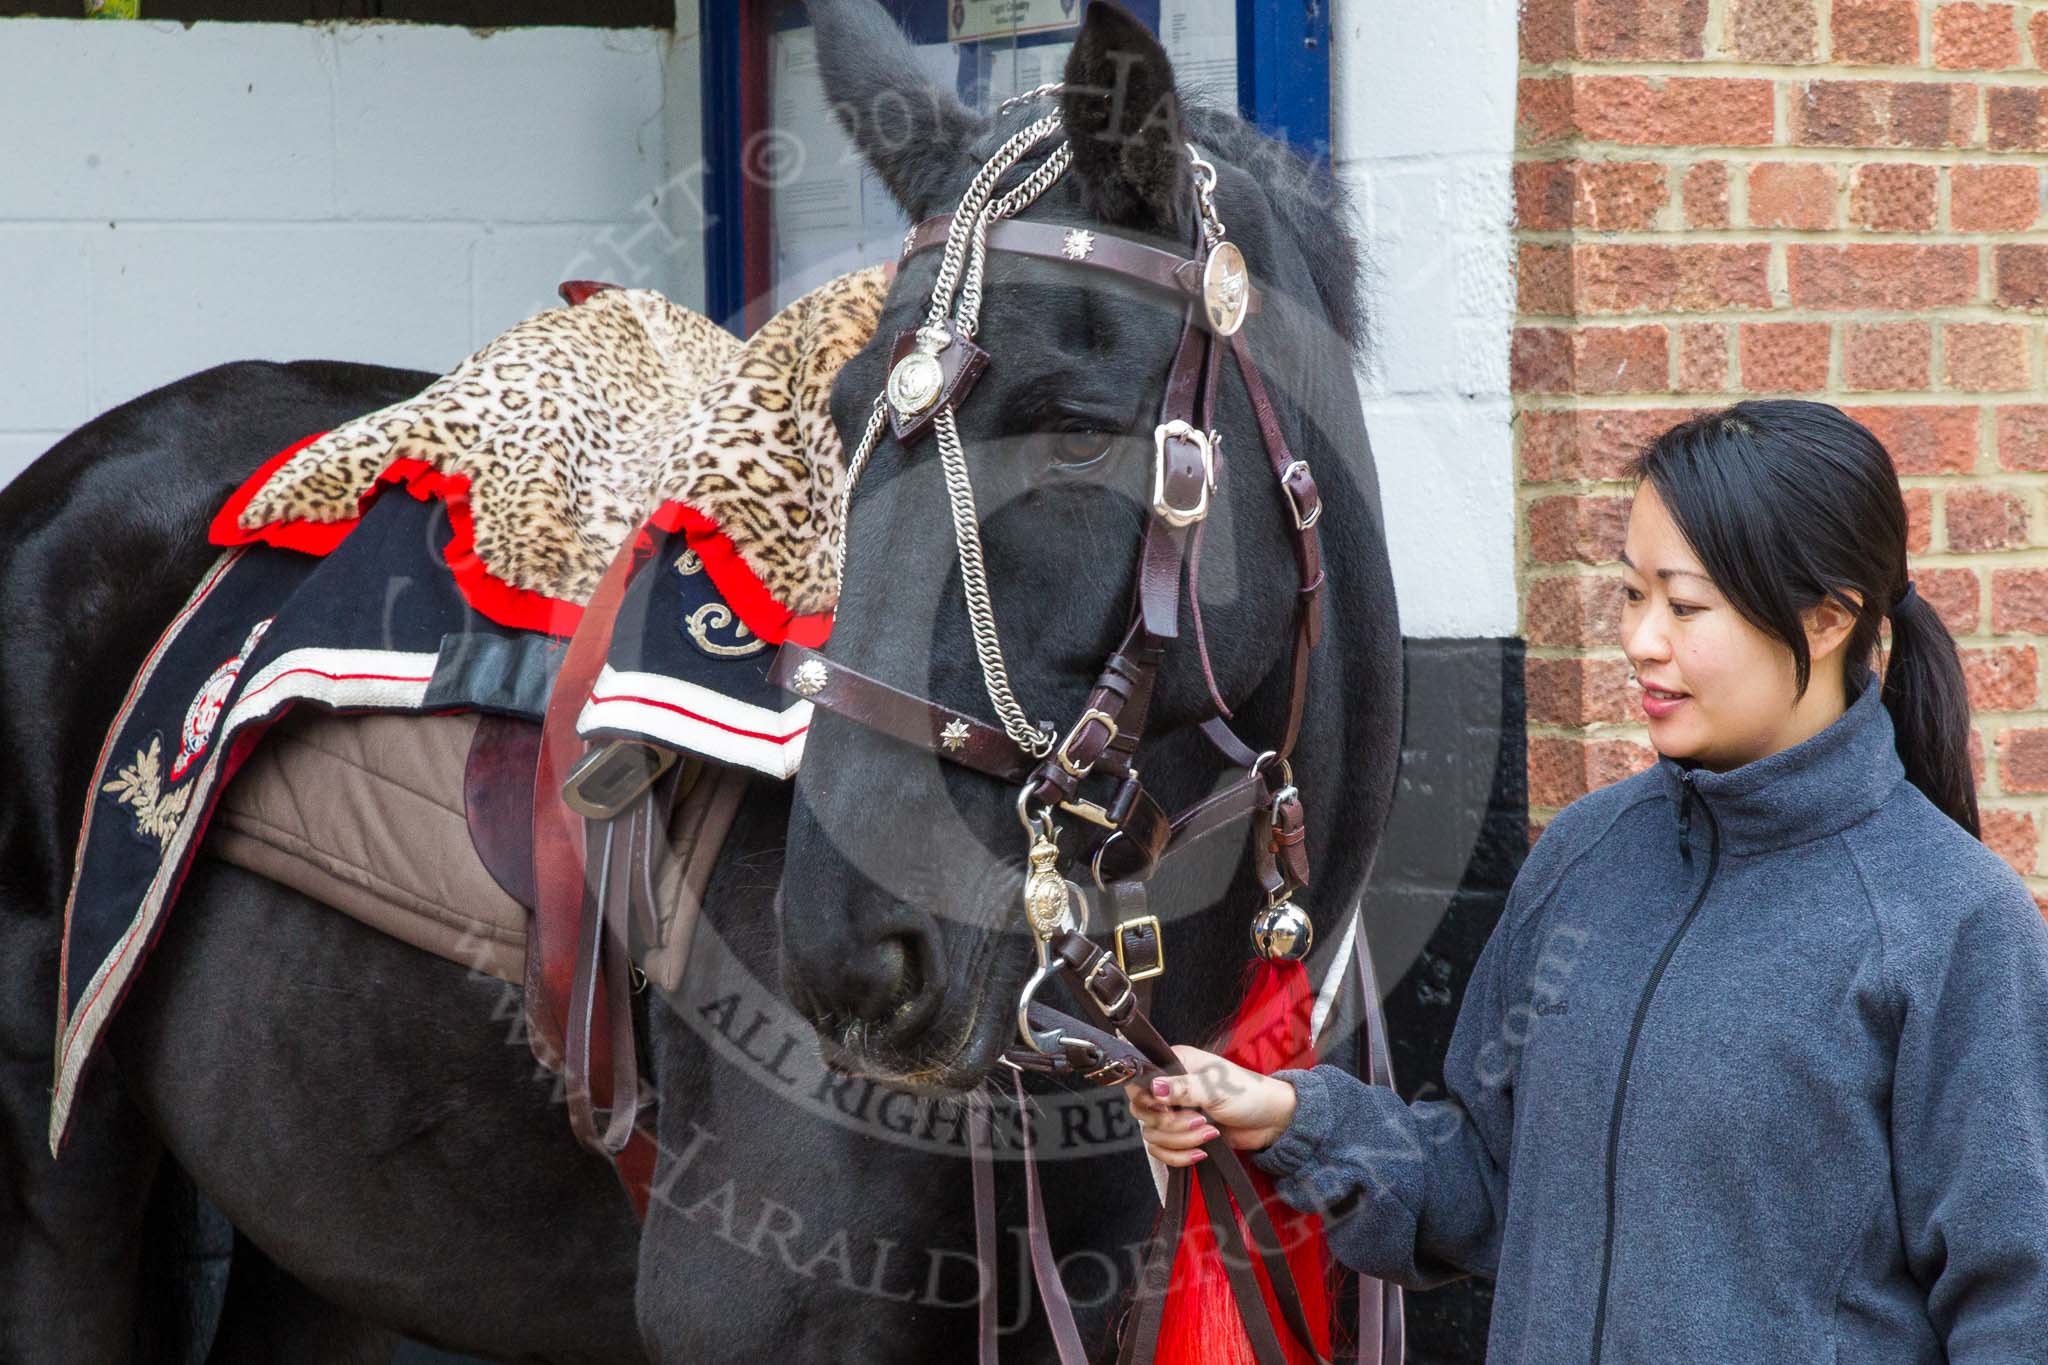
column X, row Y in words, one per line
column 1715, row 689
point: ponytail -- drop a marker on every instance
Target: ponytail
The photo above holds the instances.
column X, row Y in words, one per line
column 1930, row 708
column 1789, row 504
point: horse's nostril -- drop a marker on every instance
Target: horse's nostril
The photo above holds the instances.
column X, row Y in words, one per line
column 912, row 1002
column 893, row 960
column 885, row 986
column 904, row 1006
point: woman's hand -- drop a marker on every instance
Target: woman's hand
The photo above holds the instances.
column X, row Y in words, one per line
column 1180, row 1113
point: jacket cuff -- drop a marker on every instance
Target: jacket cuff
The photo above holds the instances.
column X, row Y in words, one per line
column 1296, row 1145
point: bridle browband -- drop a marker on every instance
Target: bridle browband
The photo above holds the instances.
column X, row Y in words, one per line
column 933, row 369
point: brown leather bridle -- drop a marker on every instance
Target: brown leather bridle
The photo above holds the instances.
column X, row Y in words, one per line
column 1114, row 1041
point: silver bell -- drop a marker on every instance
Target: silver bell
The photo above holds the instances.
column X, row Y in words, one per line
column 1283, row 932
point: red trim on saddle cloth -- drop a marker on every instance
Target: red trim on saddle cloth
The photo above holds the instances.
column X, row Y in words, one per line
column 520, row 608
column 736, row 583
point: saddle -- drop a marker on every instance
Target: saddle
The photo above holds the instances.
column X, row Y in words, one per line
column 563, row 451
column 422, row 567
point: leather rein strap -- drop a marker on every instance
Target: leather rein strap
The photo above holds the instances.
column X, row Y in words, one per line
column 1116, row 1041
column 578, row 999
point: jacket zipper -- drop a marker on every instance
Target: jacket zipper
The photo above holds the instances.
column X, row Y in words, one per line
column 1635, row 1031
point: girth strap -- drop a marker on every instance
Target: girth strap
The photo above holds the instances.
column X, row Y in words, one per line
column 625, row 880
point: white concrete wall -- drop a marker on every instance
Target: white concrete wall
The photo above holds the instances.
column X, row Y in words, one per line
column 1424, row 108
column 173, row 197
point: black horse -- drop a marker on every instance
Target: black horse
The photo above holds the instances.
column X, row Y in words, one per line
column 366, row 1115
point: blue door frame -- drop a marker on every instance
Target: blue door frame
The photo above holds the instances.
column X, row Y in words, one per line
column 1283, row 86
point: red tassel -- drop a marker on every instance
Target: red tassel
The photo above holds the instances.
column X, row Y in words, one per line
column 1201, row 1324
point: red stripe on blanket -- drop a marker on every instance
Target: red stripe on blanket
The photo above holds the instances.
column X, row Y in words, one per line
column 597, row 699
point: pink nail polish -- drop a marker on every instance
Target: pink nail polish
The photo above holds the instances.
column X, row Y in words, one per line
column 1160, row 1087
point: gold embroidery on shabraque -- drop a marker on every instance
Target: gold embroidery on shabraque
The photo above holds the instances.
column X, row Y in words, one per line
column 717, row 616
column 140, row 784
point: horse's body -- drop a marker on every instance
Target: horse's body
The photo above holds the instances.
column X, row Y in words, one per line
column 369, row 1116
column 273, row 1048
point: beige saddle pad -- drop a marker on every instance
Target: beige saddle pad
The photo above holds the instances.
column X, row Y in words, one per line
column 366, row 814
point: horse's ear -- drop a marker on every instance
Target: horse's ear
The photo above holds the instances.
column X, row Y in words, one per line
column 914, row 133
column 1123, row 119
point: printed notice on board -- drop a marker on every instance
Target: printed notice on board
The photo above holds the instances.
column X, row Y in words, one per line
column 831, row 213
column 970, row 21
column 1200, row 36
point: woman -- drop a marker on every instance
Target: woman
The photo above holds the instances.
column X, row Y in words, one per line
column 1755, row 1066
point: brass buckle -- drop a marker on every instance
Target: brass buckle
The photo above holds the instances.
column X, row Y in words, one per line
column 1181, row 431
column 1099, row 815
column 1301, row 523
column 1074, row 769
column 612, row 776
column 1113, row 1071
column 1158, row 936
column 1093, row 812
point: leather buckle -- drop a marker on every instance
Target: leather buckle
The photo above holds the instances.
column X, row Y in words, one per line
column 1177, row 430
column 1158, row 968
column 1066, row 745
column 612, row 776
column 1117, row 1009
column 1315, row 514
column 1288, row 792
column 1113, row 1071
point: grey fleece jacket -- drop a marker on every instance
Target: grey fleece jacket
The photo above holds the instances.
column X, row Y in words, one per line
column 1754, row 1068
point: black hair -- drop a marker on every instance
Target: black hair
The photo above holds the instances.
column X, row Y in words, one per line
column 1788, row 503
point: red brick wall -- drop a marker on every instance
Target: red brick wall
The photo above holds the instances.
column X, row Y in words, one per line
column 1837, row 199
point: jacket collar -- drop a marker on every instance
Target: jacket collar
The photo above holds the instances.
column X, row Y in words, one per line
column 1818, row 787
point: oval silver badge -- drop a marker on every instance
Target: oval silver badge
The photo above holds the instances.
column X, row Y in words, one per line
column 915, row 382
column 1226, row 289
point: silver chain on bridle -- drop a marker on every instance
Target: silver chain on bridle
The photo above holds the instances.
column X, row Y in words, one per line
column 956, row 295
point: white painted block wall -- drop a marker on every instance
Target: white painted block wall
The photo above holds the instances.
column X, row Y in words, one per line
column 1423, row 117
column 174, row 197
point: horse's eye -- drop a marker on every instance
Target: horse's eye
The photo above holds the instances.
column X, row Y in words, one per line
column 1079, row 449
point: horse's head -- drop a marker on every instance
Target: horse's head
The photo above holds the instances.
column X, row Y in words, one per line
column 903, row 934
